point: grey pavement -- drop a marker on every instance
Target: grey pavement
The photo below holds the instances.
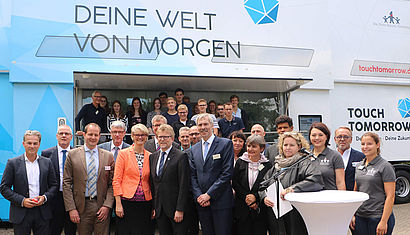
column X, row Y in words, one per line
column 402, row 227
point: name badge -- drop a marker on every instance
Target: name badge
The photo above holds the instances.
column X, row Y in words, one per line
column 107, row 168
column 354, row 164
column 261, row 167
column 216, row 156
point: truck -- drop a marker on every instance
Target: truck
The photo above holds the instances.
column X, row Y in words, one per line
column 345, row 63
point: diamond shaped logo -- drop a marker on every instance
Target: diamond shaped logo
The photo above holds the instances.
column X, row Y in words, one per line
column 404, row 107
column 262, row 11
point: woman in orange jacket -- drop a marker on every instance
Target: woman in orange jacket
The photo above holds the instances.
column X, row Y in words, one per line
column 132, row 186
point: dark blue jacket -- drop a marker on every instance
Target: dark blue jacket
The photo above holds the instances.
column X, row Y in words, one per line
column 354, row 158
column 214, row 175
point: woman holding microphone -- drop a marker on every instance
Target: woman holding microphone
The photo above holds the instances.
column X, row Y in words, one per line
column 131, row 186
column 374, row 176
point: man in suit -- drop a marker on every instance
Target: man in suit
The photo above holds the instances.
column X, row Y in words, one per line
column 283, row 124
column 152, row 145
column 211, row 162
column 169, row 176
column 87, row 184
column 343, row 139
column 29, row 183
column 118, row 129
column 58, row 155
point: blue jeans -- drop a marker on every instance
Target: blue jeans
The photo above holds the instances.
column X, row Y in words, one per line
column 368, row 226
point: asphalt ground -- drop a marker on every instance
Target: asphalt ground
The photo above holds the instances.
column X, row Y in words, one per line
column 402, row 227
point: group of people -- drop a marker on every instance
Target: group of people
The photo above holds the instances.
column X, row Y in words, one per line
column 227, row 117
column 202, row 178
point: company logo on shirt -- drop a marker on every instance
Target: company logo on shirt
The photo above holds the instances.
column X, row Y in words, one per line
column 262, row 11
column 404, row 107
column 324, row 162
column 371, row 171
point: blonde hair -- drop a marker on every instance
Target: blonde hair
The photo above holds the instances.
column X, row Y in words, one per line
column 300, row 140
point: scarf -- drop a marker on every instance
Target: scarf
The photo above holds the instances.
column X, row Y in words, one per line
column 283, row 162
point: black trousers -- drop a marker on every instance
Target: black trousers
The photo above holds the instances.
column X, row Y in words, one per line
column 137, row 218
column 167, row 225
column 61, row 218
column 32, row 221
column 254, row 223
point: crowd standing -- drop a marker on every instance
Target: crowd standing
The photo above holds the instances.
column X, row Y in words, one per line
column 198, row 168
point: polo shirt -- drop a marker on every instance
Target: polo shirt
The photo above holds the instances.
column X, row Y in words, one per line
column 227, row 127
column 370, row 179
column 327, row 162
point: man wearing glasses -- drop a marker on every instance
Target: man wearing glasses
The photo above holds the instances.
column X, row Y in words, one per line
column 58, row 155
column 351, row 157
column 194, row 135
column 91, row 113
column 153, row 145
column 117, row 135
column 183, row 120
column 169, row 177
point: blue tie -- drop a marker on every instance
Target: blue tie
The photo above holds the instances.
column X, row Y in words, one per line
column 161, row 163
column 206, row 148
column 64, row 157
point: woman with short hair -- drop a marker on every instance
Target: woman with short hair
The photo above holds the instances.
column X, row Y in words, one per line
column 328, row 161
column 132, row 191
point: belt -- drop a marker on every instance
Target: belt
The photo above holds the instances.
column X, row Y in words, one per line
column 91, row 198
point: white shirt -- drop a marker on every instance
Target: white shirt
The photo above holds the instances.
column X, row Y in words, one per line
column 33, row 177
column 165, row 160
column 87, row 162
column 345, row 156
column 60, row 163
column 210, row 140
column 113, row 147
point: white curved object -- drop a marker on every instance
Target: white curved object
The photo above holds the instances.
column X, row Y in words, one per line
column 329, row 211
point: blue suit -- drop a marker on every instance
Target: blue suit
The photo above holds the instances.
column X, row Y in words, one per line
column 213, row 176
column 354, row 158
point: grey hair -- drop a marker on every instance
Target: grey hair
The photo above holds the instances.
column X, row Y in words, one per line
column 119, row 124
column 184, row 128
column 159, row 117
column 32, row 133
column 94, row 92
column 205, row 116
column 256, row 139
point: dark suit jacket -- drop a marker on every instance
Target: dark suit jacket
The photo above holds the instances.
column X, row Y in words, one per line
column 170, row 190
column 15, row 176
column 354, row 158
column 240, row 183
column 214, row 175
column 150, row 145
column 107, row 146
column 52, row 154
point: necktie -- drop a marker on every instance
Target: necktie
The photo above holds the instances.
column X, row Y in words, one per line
column 161, row 163
column 206, row 148
column 64, row 157
column 92, row 176
column 116, row 152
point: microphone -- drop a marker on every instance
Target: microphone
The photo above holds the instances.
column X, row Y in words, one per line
column 304, row 151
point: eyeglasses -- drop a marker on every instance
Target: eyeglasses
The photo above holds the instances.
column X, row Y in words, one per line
column 202, row 105
column 195, row 133
column 139, row 135
column 182, row 112
column 346, row 137
column 117, row 132
column 164, row 137
column 220, row 109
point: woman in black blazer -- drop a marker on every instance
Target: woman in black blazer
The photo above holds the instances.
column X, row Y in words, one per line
column 250, row 168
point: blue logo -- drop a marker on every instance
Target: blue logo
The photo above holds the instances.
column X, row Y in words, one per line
column 262, row 11
column 390, row 19
column 404, row 107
